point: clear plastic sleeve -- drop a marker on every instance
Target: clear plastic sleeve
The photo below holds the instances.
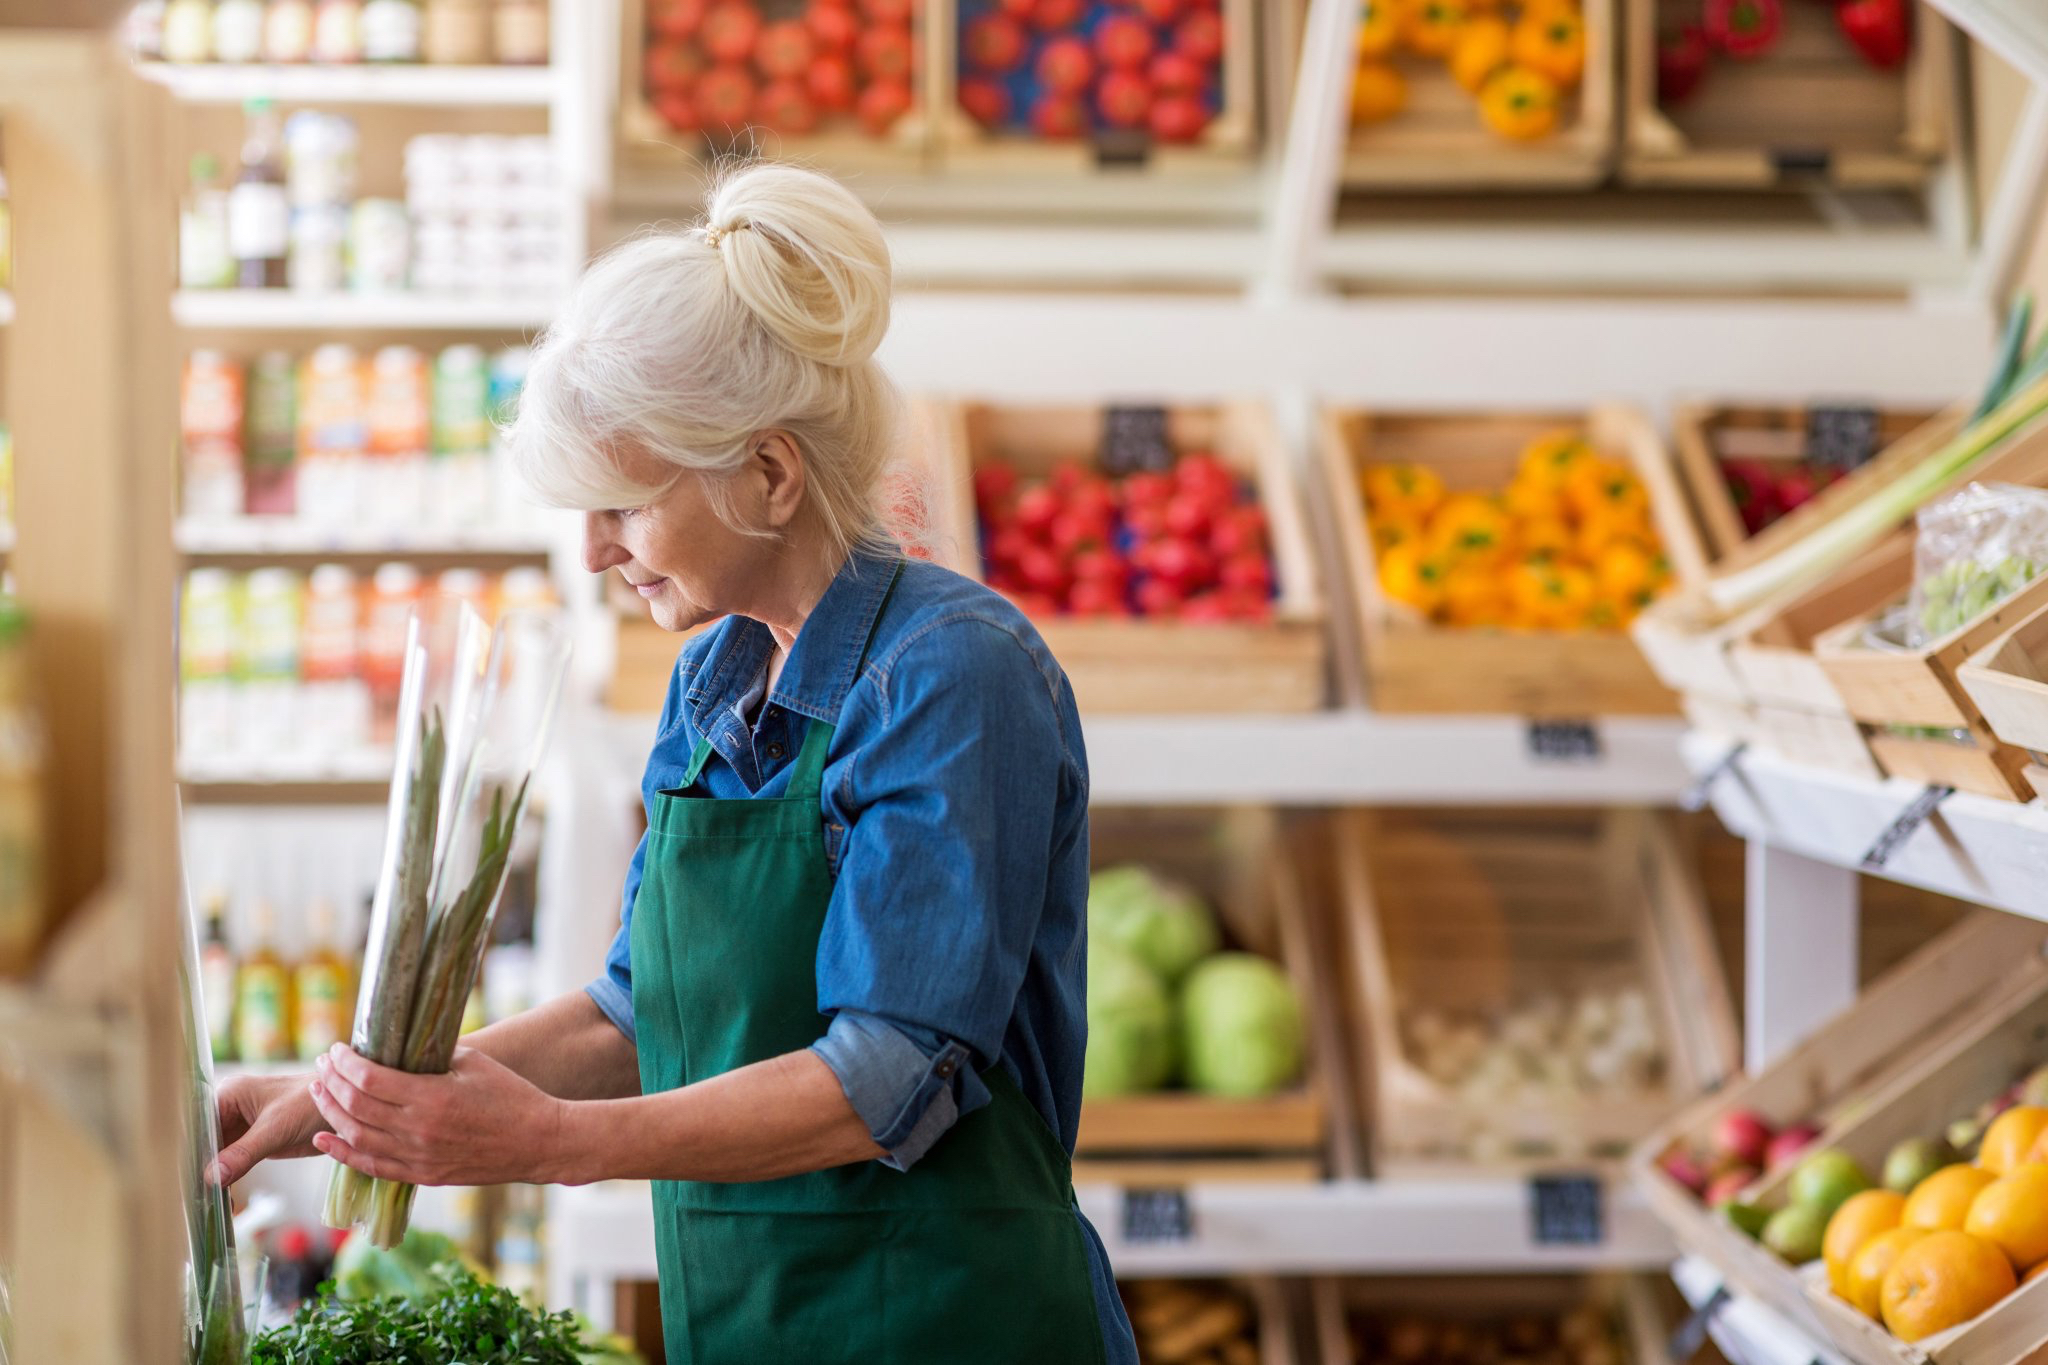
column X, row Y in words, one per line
column 1974, row 548
column 214, row 1329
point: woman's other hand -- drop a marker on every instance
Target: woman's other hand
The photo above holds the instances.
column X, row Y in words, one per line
column 481, row 1123
column 262, row 1117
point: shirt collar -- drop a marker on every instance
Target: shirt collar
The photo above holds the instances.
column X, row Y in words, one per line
column 821, row 669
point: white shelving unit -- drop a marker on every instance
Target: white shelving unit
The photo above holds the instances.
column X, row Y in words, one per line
column 371, row 765
column 506, row 87
column 259, row 537
column 282, row 310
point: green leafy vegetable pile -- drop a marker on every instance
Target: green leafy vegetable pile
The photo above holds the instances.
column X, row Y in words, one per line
column 472, row 1323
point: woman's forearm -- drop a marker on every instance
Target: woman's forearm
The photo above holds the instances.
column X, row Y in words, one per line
column 567, row 1047
column 783, row 1116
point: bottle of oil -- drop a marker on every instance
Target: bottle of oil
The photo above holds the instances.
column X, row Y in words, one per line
column 217, row 979
column 323, row 1000
column 263, row 997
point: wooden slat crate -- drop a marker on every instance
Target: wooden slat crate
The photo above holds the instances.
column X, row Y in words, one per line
column 1156, row 667
column 1407, row 665
column 1438, row 141
column 838, row 144
column 1242, row 863
column 1467, row 916
column 1809, row 111
column 1624, row 1306
column 1172, row 1327
column 1227, row 145
column 2008, row 680
column 1829, row 1079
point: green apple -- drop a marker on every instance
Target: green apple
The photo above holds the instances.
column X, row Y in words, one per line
column 1797, row 1231
column 1913, row 1160
column 1749, row 1219
column 1826, row 1179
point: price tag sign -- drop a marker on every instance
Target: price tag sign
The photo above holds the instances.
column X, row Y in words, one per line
column 1154, row 1216
column 1134, row 440
column 1563, row 741
column 1695, row 797
column 1901, row 829
column 1793, row 163
column 1567, row 1210
column 1127, row 148
column 1843, row 437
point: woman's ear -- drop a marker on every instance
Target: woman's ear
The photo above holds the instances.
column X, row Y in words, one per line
column 780, row 466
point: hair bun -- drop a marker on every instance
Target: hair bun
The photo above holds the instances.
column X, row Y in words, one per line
column 806, row 257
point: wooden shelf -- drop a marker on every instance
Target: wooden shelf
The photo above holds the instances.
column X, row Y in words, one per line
column 499, row 87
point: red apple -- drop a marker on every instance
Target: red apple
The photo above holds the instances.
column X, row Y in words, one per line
column 1022, row 11
column 1178, row 118
column 672, row 66
column 831, row 82
column 1096, row 597
column 1681, row 1166
column 786, row 106
column 895, row 12
column 678, row 109
column 729, row 31
column 1164, row 13
column 833, row 27
column 994, row 42
column 1123, row 41
column 1742, row 1137
column 783, row 50
column 1788, row 1144
column 1050, row 16
column 1728, row 1185
column 1064, row 66
column 675, row 18
column 885, row 54
column 725, row 97
column 1199, row 37
column 1174, row 74
column 985, row 101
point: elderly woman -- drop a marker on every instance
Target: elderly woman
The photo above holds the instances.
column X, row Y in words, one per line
column 841, row 1028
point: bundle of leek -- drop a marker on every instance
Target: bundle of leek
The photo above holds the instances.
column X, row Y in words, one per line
column 2017, row 395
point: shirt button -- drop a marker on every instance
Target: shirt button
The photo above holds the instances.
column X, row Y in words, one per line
column 776, row 751
column 945, row 1068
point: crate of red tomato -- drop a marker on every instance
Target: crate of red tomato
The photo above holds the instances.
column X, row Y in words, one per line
column 1070, row 85
column 1161, row 551
column 839, row 81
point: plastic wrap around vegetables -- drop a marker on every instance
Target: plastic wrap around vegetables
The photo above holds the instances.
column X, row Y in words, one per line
column 473, row 717
column 215, row 1333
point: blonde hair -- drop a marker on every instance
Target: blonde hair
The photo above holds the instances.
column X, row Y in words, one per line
column 688, row 343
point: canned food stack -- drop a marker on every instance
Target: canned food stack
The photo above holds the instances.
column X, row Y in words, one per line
column 484, row 215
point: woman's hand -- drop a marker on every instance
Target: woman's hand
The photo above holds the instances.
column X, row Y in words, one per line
column 263, row 1117
column 479, row 1124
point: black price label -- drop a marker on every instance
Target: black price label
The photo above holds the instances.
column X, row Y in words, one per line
column 1154, row 1216
column 1842, row 437
column 1695, row 797
column 1567, row 1210
column 1122, row 148
column 1794, row 163
column 1563, row 741
column 1134, row 441
column 1901, row 829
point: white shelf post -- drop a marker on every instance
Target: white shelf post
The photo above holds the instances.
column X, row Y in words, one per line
column 1800, row 961
column 1305, row 196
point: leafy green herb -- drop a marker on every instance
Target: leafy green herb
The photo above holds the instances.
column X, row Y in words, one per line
column 472, row 1323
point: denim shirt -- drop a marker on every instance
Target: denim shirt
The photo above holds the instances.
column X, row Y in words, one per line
column 955, row 813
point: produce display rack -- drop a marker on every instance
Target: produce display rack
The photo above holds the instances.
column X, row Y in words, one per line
column 508, row 87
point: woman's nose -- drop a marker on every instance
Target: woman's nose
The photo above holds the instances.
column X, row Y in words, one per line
column 600, row 550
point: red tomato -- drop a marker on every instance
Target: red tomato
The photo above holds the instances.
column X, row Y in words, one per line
column 1100, row 565
column 1147, row 487
column 675, row 18
column 833, row 27
column 1020, row 10
column 678, row 109
column 1205, row 474
column 783, row 49
column 831, row 82
column 1123, row 99
column 1179, row 118
column 1209, row 608
column 1043, row 571
column 1164, row 13
column 729, row 31
column 1031, row 603
column 1189, row 515
column 786, row 107
column 882, row 103
column 1053, row 15
column 1036, row 508
column 1158, row 598
column 1065, row 66
column 672, row 66
column 1096, row 597
column 1248, row 572
column 994, row 42
column 993, row 485
column 1073, row 532
column 1146, row 520
column 896, row 12
column 1238, row 531
column 1200, row 37
column 1007, row 546
column 725, row 97
column 1249, row 606
column 1123, row 41
column 1173, row 74
column 885, row 54
column 1067, row 475
column 1181, row 563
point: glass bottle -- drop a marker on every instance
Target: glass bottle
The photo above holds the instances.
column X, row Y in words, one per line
column 391, row 31
column 204, row 261
column 237, row 31
column 188, row 31
column 288, row 32
column 263, row 991
column 323, row 1001
column 21, row 797
column 338, row 32
column 217, row 979
column 259, row 214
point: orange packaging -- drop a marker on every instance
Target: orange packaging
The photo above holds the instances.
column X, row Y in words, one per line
column 394, row 590
column 400, row 409
column 210, row 405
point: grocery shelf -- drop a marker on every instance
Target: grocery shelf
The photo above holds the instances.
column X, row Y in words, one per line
column 503, row 87
column 1745, row 1330
column 259, row 537
column 1972, row 847
column 287, row 310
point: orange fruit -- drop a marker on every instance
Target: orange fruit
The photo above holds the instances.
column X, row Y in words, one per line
column 1861, row 1217
column 2011, row 1137
column 2011, row 1213
column 1944, row 1279
column 1863, row 1285
column 1942, row 1200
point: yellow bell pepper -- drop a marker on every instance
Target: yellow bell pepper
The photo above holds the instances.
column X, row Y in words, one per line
column 1549, row 460
column 1469, row 525
column 1402, row 492
column 1482, row 50
column 1433, row 26
column 1378, row 92
column 1379, row 28
column 1411, row 577
column 1520, row 104
column 1553, row 43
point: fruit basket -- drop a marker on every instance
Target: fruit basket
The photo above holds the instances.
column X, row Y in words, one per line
column 1535, row 988
column 1240, row 1321
column 1820, row 1092
column 2008, row 680
column 1570, row 1319
column 1072, row 87
column 841, row 86
column 1240, row 864
column 1810, row 108
column 1136, row 516
column 1407, row 661
column 1423, row 116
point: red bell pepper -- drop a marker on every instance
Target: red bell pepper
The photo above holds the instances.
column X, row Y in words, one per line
column 1744, row 29
column 1682, row 64
column 1881, row 30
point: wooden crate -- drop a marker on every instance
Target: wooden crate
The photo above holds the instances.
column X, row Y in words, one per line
column 1829, row 1079
column 1406, row 665
column 1705, row 434
column 1438, row 142
column 1809, row 111
column 1264, row 1296
column 2008, row 681
column 1243, row 864
column 1156, row 667
column 1627, row 1302
column 1471, row 914
column 1228, row 145
column 838, row 144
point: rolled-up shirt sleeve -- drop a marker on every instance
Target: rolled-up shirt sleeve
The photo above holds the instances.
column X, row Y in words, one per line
column 941, row 882
column 613, row 991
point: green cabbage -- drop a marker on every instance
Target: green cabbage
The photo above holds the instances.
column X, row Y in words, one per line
column 1167, row 927
column 1241, row 1027
column 1130, row 1026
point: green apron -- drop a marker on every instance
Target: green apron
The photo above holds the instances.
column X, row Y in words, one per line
column 974, row 1254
